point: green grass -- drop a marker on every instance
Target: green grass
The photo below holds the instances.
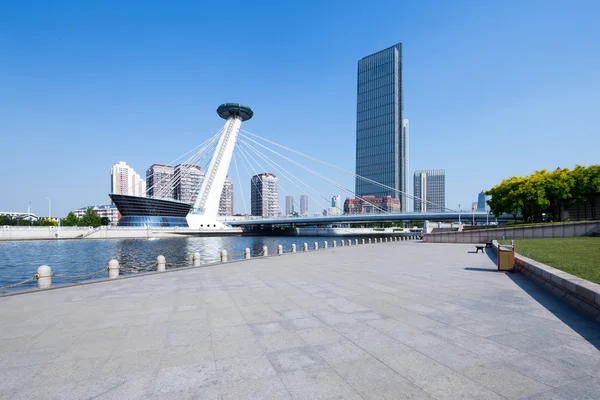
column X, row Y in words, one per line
column 579, row 256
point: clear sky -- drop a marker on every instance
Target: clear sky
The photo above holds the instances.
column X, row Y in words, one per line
column 491, row 89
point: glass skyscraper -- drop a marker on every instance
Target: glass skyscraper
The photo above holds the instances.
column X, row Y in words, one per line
column 381, row 131
column 430, row 190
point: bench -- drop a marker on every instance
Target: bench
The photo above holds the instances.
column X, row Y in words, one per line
column 479, row 247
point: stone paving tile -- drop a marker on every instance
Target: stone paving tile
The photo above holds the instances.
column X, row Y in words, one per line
column 328, row 324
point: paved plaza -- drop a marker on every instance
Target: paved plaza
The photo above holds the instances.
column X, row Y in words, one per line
column 402, row 320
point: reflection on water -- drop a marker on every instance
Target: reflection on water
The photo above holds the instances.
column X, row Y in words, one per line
column 20, row 260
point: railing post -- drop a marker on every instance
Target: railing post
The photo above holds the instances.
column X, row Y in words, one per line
column 325, row 245
column 316, row 246
column 223, row 255
column 196, row 259
column 44, row 277
column 113, row 269
column 280, row 249
column 293, row 247
column 265, row 251
column 161, row 263
column 334, row 244
column 305, row 247
column 246, row 253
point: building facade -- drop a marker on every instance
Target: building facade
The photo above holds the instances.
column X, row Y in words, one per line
column 381, row 130
column 289, row 205
column 372, row 205
column 226, row 201
column 264, row 189
column 102, row 211
column 187, row 180
column 430, row 190
column 482, row 201
column 159, row 181
column 124, row 180
column 304, row 205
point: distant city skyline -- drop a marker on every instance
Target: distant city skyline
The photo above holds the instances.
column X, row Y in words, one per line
column 89, row 84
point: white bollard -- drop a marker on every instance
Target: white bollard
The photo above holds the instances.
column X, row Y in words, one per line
column 356, row 242
column 44, row 277
column 334, row 243
column 386, row 239
column 305, row 247
column 325, row 245
column 280, row 249
column 380, row 240
column 294, row 248
column 223, row 255
column 343, row 243
column 316, row 246
column 265, row 251
column 369, row 240
column 161, row 263
column 113, row 269
column 196, row 259
column 363, row 241
column 246, row 253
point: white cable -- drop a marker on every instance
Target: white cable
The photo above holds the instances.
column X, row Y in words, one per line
column 251, row 180
column 237, row 172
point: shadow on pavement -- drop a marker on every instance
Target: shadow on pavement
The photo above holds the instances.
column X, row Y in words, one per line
column 481, row 269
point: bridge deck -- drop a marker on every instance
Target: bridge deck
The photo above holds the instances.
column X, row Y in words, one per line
column 385, row 321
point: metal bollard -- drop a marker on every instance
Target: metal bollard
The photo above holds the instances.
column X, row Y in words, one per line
column 325, row 245
column 113, row 269
column 265, row 251
column 294, row 248
column 334, row 243
column 280, row 249
column 161, row 263
column 223, row 255
column 305, row 247
column 196, row 259
column 44, row 277
column 246, row 253
column 363, row 241
column 316, row 246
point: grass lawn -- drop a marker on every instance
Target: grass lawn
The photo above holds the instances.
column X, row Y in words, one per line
column 579, row 256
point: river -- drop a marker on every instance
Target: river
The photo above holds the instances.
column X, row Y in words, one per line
column 19, row 260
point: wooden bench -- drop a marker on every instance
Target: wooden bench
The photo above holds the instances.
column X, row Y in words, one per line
column 479, row 247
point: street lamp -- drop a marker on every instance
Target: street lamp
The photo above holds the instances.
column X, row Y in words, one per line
column 459, row 215
column 49, row 208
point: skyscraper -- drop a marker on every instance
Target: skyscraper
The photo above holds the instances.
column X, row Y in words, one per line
column 226, row 201
column 381, row 131
column 187, row 180
column 124, row 180
column 264, row 195
column 289, row 205
column 304, row 205
column 482, row 201
column 430, row 190
column 159, row 181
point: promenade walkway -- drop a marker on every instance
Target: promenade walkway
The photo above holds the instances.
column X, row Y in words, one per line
column 401, row 320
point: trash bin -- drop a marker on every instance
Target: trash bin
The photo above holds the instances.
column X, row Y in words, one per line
column 506, row 257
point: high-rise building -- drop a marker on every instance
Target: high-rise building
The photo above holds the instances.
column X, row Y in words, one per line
column 226, row 201
column 159, row 181
column 336, row 206
column 304, row 205
column 371, row 205
column 264, row 190
column 187, row 180
column 482, row 201
column 381, row 131
column 430, row 190
column 124, row 180
column 289, row 205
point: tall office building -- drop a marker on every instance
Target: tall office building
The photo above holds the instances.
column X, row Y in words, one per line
column 304, row 205
column 336, row 206
column 289, row 205
column 381, row 131
column 124, row 180
column 482, row 201
column 264, row 195
column 226, row 201
column 430, row 190
column 159, row 181
column 187, row 180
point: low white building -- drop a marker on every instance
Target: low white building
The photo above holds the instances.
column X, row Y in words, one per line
column 102, row 211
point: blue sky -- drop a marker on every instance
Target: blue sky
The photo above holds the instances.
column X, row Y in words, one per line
column 491, row 89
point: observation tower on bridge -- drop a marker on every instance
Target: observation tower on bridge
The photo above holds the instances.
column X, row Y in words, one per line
column 204, row 212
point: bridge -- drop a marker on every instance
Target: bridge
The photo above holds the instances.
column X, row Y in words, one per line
column 260, row 159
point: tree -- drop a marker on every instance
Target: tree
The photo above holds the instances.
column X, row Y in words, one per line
column 90, row 218
column 105, row 221
column 71, row 220
column 48, row 222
